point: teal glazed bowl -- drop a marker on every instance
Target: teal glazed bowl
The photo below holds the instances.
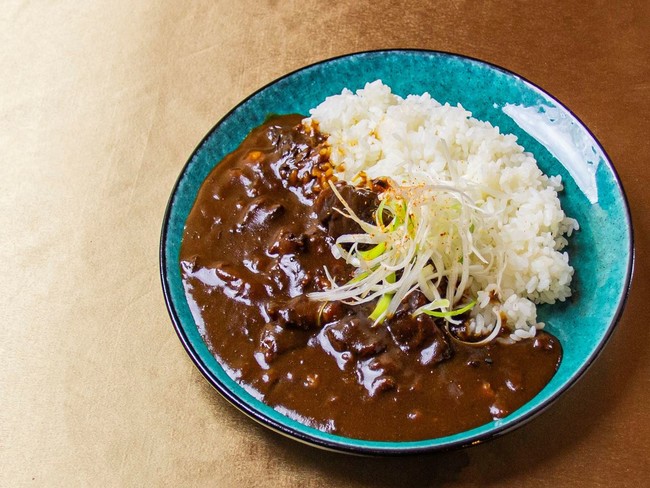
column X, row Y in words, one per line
column 601, row 252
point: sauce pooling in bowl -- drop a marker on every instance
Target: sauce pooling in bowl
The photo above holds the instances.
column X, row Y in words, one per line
column 256, row 243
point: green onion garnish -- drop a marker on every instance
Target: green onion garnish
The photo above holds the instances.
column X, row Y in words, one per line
column 373, row 253
column 360, row 277
column 451, row 313
column 382, row 306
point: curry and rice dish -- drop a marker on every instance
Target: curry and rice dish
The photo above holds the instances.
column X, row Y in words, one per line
column 373, row 270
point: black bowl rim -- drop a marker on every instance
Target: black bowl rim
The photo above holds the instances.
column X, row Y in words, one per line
column 251, row 412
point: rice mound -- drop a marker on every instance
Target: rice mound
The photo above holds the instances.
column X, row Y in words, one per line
column 416, row 140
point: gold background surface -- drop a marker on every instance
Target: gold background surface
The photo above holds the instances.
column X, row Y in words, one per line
column 101, row 103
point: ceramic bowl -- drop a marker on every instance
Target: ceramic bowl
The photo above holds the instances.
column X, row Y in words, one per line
column 601, row 251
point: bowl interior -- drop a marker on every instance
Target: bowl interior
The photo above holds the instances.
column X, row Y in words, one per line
column 601, row 251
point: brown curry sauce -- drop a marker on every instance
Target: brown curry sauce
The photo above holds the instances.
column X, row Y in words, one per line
column 257, row 240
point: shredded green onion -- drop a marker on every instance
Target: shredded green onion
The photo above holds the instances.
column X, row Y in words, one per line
column 451, row 313
column 380, row 309
column 373, row 253
column 379, row 214
column 360, row 277
column 430, row 245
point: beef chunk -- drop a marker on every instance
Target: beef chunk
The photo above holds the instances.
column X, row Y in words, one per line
column 361, row 200
column 419, row 333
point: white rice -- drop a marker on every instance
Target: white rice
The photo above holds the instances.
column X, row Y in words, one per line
column 417, row 140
